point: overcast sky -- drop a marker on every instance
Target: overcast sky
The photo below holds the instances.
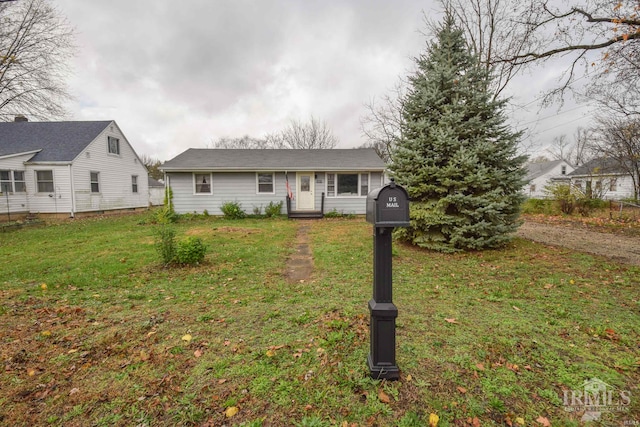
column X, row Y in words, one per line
column 180, row 74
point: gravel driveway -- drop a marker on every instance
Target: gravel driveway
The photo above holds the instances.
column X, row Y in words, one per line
column 619, row 248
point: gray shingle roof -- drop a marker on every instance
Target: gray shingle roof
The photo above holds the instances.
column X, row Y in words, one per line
column 600, row 166
column 206, row 159
column 537, row 169
column 57, row 141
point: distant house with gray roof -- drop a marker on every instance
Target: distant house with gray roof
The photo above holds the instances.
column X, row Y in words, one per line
column 313, row 180
column 67, row 168
column 607, row 178
column 541, row 174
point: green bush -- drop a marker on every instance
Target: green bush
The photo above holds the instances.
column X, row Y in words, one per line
column 537, row 206
column 232, row 210
column 190, row 251
column 165, row 244
column 566, row 197
column 273, row 209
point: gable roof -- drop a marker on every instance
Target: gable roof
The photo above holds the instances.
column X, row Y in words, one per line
column 537, row 169
column 212, row 159
column 53, row 141
column 600, row 166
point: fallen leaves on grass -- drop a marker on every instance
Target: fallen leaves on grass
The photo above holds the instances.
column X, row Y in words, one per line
column 231, row 411
column 451, row 321
column 433, row 420
column 544, row 421
column 384, row 397
column 187, row 338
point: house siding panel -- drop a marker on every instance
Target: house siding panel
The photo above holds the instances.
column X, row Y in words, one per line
column 115, row 173
column 57, row 202
column 240, row 187
column 14, row 202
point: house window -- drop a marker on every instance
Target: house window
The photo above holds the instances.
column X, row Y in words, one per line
column 202, row 183
column 19, row 183
column 613, row 184
column 114, row 145
column 578, row 184
column 364, row 184
column 134, row 183
column 599, row 186
column 44, row 181
column 5, row 182
column 532, row 189
column 265, row 183
column 347, row 184
column 95, row 182
column 563, row 170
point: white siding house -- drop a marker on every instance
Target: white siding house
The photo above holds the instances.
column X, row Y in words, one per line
column 66, row 168
column 316, row 180
column 541, row 174
column 605, row 178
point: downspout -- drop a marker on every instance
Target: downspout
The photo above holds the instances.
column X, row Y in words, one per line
column 73, row 192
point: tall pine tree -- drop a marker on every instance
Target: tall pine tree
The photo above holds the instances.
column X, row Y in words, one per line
column 456, row 156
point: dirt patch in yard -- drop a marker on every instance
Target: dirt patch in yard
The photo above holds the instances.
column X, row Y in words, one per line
column 616, row 246
column 300, row 264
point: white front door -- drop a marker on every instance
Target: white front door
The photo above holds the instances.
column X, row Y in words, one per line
column 305, row 181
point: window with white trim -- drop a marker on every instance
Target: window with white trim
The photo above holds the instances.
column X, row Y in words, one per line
column 202, row 183
column 113, row 145
column 6, row 185
column 265, row 183
column 347, row 184
column 94, row 178
column 613, row 184
column 134, row 183
column 44, row 181
column 19, row 183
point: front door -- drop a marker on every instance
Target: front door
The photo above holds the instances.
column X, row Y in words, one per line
column 306, row 201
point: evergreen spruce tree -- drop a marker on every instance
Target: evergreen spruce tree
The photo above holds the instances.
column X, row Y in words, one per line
column 456, row 156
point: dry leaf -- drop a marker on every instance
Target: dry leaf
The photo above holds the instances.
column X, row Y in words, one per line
column 144, row 356
column 231, row 411
column 271, row 353
column 197, row 353
column 451, row 320
column 433, row 420
column 544, row 421
column 462, row 390
column 548, row 286
column 384, row 397
column 520, row 421
column 74, row 391
column 409, row 377
column 187, row 338
column 31, row 372
column 222, row 381
column 43, row 286
column 515, row 308
column 480, row 366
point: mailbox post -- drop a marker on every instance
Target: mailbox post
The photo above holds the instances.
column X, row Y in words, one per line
column 387, row 208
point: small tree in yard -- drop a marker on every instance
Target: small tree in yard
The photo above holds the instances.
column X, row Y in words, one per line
column 456, row 156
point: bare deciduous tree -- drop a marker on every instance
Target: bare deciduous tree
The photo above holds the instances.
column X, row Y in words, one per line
column 299, row 135
column 152, row 164
column 35, row 45
column 381, row 124
column 575, row 153
column 608, row 27
column 245, row 142
column 494, row 33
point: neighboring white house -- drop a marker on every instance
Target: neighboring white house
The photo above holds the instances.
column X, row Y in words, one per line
column 317, row 181
column 604, row 178
column 66, row 168
column 541, row 174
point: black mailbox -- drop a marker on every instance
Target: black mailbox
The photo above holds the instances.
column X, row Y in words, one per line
column 388, row 206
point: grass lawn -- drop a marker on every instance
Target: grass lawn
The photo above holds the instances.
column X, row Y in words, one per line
column 94, row 331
